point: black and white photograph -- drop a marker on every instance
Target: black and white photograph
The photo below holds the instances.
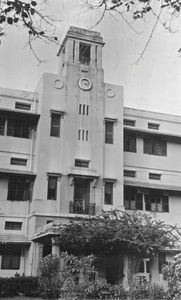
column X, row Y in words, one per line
column 90, row 149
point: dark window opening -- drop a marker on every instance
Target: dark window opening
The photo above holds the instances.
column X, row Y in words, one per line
column 132, row 199
column 52, row 188
column 129, row 122
column 109, row 132
column 83, row 134
column 47, row 249
column 84, row 53
column 144, row 266
column 10, row 258
column 13, row 225
column 154, row 176
column 153, row 126
column 19, row 188
column 129, row 142
column 108, row 193
column 21, row 105
column 110, row 267
column 155, row 146
column 18, row 161
column 2, row 126
column 129, row 173
column 80, row 109
column 18, row 127
column 81, row 163
column 87, row 110
column 81, row 201
column 156, row 201
column 79, row 134
column 83, row 109
column 55, row 125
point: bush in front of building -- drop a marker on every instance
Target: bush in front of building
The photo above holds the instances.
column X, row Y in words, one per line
column 148, row 291
column 19, row 285
column 172, row 274
column 49, row 276
column 103, row 290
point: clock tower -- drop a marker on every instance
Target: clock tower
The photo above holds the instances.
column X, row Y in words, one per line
column 80, row 67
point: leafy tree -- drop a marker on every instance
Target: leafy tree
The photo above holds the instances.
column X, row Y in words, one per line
column 28, row 15
column 116, row 231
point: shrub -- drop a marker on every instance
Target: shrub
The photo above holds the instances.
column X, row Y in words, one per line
column 14, row 286
column 103, row 290
column 49, row 277
column 156, row 291
column 172, row 274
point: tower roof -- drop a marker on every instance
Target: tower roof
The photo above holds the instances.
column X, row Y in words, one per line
column 82, row 35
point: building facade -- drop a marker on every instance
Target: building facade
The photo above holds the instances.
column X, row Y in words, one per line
column 71, row 149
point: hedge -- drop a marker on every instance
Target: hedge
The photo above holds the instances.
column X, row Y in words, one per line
column 19, row 285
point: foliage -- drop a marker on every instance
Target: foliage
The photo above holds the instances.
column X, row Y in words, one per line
column 102, row 290
column 116, row 231
column 76, row 275
column 172, row 274
column 28, row 15
column 14, row 286
column 148, row 291
column 137, row 8
column 49, row 279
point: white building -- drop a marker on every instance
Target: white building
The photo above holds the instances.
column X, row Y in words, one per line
column 70, row 148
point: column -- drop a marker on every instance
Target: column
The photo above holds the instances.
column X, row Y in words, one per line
column 154, row 270
column 55, row 247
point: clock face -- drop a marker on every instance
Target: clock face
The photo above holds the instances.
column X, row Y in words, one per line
column 85, row 83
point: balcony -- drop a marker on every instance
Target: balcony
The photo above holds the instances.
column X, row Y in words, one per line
column 81, row 207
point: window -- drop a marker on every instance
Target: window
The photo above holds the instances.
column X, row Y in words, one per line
column 154, row 176
column 80, row 109
column 18, row 161
column 21, row 105
column 155, row 146
column 2, row 125
column 129, row 122
column 19, row 188
column 52, row 188
column 84, row 53
column 84, row 109
column 108, row 193
column 133, row 199
column 55, row 125
column 129, row 142
column 13, row 225
column 79, row 134
column 144, row 266
column 157, row 202
column 18, row 127
column 153, row 126
column 10, row 258
column 83, row 134
column 109, row 132
column 81, row 163
column 129, row 173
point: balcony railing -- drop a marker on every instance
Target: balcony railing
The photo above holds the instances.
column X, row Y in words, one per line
column 81, row 207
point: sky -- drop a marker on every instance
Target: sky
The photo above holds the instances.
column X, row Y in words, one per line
column 154, row 83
